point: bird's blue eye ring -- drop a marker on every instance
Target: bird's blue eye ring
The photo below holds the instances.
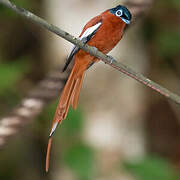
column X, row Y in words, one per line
column 119, row 13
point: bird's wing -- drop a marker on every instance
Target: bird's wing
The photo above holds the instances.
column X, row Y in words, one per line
column 70, row 57
column 88, row 32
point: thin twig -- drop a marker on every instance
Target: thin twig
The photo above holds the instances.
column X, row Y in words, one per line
column 33, row 104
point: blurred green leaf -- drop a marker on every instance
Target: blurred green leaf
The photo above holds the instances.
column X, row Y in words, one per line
column 149, row 29
column 22, row 3
column 9, row 13
column 151, row 168
column 74, row 122
column 169, row 43
column 80, row 158
column 6, row 12
column 10, row 73
column 168, row 4
column 174, row 3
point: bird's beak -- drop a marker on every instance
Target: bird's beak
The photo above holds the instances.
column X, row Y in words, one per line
column 126, row 21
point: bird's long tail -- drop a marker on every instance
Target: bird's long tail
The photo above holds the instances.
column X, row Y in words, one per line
column 70, row 95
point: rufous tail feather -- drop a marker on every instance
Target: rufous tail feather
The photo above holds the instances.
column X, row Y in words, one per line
column 76, row 91
column 69, row 95
column 48, row 153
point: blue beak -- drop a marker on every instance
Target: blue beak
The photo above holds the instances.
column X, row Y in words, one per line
column 125, row 20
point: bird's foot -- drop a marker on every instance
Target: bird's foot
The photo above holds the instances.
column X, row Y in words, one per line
column 111, row 59
column 95, row 49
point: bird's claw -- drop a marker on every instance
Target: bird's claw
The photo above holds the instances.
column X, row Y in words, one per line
column 95, row 49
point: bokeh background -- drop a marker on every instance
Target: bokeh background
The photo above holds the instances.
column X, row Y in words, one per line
column 121, row 129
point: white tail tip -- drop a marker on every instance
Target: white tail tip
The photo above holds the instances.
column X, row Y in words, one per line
column 53, row 129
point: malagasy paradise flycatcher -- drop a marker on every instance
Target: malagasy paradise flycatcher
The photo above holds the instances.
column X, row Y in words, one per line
column 102, row 32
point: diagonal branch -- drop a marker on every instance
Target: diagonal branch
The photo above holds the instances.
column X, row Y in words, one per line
column 33, row 104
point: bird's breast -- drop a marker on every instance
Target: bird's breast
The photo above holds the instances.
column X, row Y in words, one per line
column 105, row 39
column 109, row 34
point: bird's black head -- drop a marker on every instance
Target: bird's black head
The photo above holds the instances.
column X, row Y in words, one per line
column 122, row 12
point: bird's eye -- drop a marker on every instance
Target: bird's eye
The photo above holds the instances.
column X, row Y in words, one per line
column 119, row 13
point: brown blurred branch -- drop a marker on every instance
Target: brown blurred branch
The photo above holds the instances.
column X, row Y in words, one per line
column 32, row 105
column 48, row 89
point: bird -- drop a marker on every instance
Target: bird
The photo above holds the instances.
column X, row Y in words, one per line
column 102, row 32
